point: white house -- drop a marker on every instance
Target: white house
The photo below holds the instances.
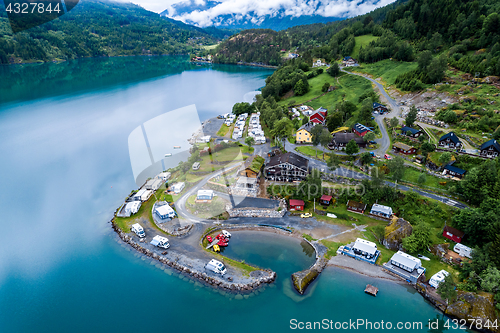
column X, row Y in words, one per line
column 164, row 212
column 178, row 187
column 132, row 208
column 382, row 211
column 205, row 195
column 142, row 195
column 405, row 261
column 463, row 250
column 437, row 278
column 153, row 184
column 366, row 248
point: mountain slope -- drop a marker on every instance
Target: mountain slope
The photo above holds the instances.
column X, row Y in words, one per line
column 262, row 14
column 100, row 28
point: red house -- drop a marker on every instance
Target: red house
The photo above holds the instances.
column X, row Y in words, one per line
column 325, row 199
column 403, row 148
column 296, row 204
column 453, row 234
column 360, row 129
column 317, row 118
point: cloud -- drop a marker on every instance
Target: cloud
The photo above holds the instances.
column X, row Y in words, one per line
column 255, row 10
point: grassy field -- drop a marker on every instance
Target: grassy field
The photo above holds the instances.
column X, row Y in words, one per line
column 223, row 130
column 361, row 41
column 387, row 69
column 315, row 83
column 210, row 47
column 311, row 151
column 226, row 155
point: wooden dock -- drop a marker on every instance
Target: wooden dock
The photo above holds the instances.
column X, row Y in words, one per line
column 371, row 290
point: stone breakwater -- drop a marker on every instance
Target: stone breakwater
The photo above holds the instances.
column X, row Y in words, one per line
column 301, row 280
column 264, row 276
column 258, row 212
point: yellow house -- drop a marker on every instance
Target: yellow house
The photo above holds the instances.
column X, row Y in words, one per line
column 304, row 134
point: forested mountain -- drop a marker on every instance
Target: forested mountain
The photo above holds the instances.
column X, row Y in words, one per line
column 100, row 28
column 466, row 34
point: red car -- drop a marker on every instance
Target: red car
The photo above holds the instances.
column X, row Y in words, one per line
column 387, row 157
column 209, row 239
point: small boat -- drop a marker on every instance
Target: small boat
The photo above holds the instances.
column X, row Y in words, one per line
column 209, row 239
column 221, row 243
column 177, row 147
column 168, row 155
column 423, row 257
column 216, row 248
column 371, row 290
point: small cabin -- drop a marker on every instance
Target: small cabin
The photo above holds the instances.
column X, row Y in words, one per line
column 403, row 148
column 356, row 207
column 453, row 234
column 296, row 205
column 325, row 200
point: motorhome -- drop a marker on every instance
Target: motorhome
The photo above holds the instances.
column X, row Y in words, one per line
column 138, row 230
column 463, row 250
column 216, row 266
column 160, row 241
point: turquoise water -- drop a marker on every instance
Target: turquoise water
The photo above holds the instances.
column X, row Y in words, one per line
column 65, row 168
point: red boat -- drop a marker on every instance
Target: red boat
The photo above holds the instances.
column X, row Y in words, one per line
column 209, row 239
column 222, row 243
column 222, row 238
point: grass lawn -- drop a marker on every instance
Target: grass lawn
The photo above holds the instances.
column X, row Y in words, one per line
column 362, row 41
column 311, row 151
column 387, row 69
column 226, row 155
column 411, row 175
column 315, row 83
column 210, row 47
column 206, row 210
column 223, row 130
column 349, row 88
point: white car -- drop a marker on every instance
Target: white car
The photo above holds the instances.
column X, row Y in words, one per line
column 226, row 234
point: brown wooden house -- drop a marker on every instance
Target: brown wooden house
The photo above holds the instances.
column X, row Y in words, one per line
column 356, row 207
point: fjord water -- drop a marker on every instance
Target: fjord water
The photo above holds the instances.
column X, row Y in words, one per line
column 65, row 168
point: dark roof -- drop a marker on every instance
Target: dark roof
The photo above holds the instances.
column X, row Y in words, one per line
column 376, row 105
column 490, row 143
column 361, row 128
column 455, row 169
column 347, row 58
column 346, row 137
column 453, row 137
column 308, row 127
column 355, row 204
column 291, row 158
column 409, row 129
column 454, row 231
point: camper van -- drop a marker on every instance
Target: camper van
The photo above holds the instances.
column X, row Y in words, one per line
column 463, row 250
column 160, row 242
column 216, row 266
column 138, row 230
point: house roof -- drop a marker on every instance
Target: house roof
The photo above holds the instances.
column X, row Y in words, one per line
column 361, row 128
column 355, row 204
column 346, row 137
column 406, row 260
column 296, row 202
column 455, row 169
column 325, row 197
column 205, row 192
column 376, row 105
column 490, row 143
column 365, row 246
column 454, row 231
column 254, row 163
column 347, row 58
column 164, row 210
column 317, row 115
column 383, row 209
column 307, row 127
column 406, row 129
column 401, row 145
column 291, row 158
column 452, row 136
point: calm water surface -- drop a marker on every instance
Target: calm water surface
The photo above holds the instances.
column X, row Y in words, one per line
column 65, row 168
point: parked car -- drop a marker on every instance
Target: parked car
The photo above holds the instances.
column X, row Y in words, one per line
column 138, row 230
column 160, row 241
column 387, row 157
column 216, row 266
column 304, row 215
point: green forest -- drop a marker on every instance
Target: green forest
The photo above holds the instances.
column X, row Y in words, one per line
column 98, row 28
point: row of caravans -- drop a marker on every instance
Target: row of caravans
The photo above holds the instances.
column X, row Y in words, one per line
column 239, row 126
column 255, row 129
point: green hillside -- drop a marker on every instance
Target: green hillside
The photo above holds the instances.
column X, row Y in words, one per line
column 100, row 28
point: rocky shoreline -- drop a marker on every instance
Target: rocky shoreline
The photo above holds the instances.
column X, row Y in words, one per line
column 264, row 277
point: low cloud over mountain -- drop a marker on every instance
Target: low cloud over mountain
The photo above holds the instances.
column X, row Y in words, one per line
column 261, row 13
